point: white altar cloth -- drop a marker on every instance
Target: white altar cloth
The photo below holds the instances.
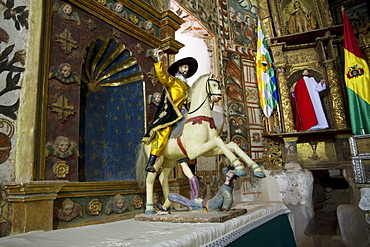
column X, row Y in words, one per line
column 155, row 234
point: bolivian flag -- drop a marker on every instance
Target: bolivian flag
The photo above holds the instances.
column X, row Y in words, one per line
column 266, row 79
column 357, row 81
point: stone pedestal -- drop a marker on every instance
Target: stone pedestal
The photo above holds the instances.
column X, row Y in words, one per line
column 32, row 205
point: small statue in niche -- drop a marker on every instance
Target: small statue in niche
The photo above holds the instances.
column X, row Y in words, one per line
column 301, row 19
column 148, row 27
column 64, row 74
column 69, row 210
column 118, row 205
column 118, row 9
column 66, row 11
column 61, row 148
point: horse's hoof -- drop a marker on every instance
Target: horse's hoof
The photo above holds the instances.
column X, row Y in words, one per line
column 240, row 172
column 259, row 174
column 150, row 211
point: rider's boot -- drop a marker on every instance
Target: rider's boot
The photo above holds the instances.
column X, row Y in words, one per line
column 194, row 187
column 149, row 167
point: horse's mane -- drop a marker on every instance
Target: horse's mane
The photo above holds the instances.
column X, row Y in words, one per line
column 195, row 84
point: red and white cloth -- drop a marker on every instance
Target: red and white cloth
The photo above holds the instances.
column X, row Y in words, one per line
column 308, row 110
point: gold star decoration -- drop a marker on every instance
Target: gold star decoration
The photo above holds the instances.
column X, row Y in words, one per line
column 90, row 24
column 67, row 42
column 152, row 77
column 139, row 48
column 62, row 108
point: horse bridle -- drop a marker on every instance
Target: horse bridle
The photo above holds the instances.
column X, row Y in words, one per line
column 209, row 94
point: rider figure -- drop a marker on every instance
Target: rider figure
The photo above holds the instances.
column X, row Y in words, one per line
column 173, row 101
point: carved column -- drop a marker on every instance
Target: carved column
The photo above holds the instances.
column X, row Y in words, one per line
column 327, row 20
column 336, row 95
column 287, row 111
column 265, row 17
column 275, row 17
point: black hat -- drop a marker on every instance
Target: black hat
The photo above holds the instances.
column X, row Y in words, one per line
column 193, row 66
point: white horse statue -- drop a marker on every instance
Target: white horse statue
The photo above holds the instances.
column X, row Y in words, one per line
column 199, row 138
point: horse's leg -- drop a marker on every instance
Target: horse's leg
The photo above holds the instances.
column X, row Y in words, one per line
column 167, row 167
column 255, row 168
column 193, row 181
column 211, row 145
column 150, row 179
column 149, row 206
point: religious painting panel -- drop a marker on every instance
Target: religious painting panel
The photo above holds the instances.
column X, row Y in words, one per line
column 204, row 10
column 239, row 26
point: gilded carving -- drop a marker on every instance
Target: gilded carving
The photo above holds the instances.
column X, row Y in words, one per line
column 66, row 41
column 153, row 78
column 303, row 56
column 95, row 206
column 116, row 33
column 285, row 100
column 62, row 108
column 139, row 48
column 101, row 1
column 275, row 17
column 61, row 169
column 103, row 72
column 337, row 97
column 263, row 9
column 273, row 154
column 138, row 202
column 133, row 18
column 90, row 24
column 327, row 20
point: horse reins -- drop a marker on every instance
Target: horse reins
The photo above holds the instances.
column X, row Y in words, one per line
column 209, row 95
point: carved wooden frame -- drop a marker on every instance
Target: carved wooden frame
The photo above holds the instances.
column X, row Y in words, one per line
column 360, row 158
column 357, row 143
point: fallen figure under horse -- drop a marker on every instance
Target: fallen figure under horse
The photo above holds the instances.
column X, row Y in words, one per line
column 222, row 201
column 199, row 138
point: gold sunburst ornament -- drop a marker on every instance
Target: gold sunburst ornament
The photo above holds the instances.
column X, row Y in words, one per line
column 107, row 63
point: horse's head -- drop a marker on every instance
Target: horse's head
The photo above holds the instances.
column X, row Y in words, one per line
column 204, row 89
column 214, row 90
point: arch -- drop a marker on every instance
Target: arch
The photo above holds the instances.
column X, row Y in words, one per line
column 112, row 106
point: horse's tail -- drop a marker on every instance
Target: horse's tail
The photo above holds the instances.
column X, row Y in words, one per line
column 141, row 160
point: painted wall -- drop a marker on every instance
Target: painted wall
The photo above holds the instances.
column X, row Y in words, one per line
column 13, row 42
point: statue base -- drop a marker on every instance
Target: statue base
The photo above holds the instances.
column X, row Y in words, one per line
column 179, row 216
